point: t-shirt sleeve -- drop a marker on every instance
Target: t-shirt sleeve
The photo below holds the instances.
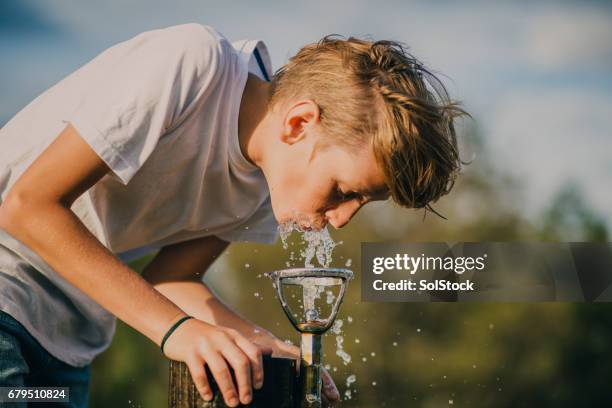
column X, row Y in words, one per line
column 137, row 90
column 260, row 227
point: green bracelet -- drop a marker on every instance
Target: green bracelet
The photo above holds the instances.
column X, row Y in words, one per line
column 172, row 329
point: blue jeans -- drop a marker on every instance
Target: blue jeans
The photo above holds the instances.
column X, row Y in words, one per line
column 24, row 362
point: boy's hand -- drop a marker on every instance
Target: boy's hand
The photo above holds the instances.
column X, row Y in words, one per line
column 331, row 396
column 198, row 344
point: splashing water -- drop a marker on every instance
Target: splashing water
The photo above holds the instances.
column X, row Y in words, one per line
column 319, row 244
column 350, row 379
column 311, row 293
column 340, row 352
column 337, row 327
column 347, row 395
column 329, row 299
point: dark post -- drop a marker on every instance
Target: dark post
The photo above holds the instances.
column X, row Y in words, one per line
column 279, row 389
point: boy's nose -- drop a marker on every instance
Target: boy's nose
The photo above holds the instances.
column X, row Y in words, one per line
column 341, row 215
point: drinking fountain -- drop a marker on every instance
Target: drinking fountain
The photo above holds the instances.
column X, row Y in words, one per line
column 311, row 298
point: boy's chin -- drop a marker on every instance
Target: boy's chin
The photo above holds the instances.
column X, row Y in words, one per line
column 295, row 223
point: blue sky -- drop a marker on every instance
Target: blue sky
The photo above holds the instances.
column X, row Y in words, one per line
column 535, row 75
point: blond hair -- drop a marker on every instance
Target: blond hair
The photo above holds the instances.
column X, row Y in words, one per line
column 378, row 92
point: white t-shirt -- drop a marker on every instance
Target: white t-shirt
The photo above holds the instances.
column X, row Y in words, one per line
column 161, row 109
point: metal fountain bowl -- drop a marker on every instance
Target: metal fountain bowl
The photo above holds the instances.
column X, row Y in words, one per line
column 323, row 277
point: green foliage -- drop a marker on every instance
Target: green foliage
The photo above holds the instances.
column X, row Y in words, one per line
column 570, row 219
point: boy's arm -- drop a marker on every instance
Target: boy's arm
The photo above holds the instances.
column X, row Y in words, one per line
column 37, row 212
column 177, row 271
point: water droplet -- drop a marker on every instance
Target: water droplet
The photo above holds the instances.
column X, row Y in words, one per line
column 329, row 297
column 350, row 379
column 337, row 327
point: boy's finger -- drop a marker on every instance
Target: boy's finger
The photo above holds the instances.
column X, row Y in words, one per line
column 254, row 353
column 242, row 371
column 288, row 350
column 237, row 335
column 265, row 350
column 198, row 374
column 325, row 401
column 220, row 370
column 329, row 388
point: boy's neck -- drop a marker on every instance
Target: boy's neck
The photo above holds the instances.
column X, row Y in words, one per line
column 251, row 119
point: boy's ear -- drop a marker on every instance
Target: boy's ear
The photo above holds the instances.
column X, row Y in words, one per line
column 300, row 117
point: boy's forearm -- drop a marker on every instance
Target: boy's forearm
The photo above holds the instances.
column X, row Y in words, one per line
column 58, row 236
column 196, row 299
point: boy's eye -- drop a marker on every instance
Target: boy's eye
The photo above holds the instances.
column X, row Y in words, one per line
column 346, row 196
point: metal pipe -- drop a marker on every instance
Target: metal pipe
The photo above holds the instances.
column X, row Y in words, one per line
column 310, row 370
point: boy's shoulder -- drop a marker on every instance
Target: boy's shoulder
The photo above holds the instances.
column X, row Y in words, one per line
column 204, row 46
column 189, row 34
column 197, row 41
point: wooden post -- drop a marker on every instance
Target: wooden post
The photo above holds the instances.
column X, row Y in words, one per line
column 278, row 391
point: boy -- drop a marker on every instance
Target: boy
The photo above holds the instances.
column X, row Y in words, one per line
column 181, row 141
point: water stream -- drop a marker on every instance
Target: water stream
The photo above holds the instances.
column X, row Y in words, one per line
column 319, row 247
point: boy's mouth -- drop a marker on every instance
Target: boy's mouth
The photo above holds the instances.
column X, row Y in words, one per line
column 312, row 226
column 302, row 224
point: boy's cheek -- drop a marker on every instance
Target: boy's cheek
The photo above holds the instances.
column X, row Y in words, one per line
column 280, row 215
